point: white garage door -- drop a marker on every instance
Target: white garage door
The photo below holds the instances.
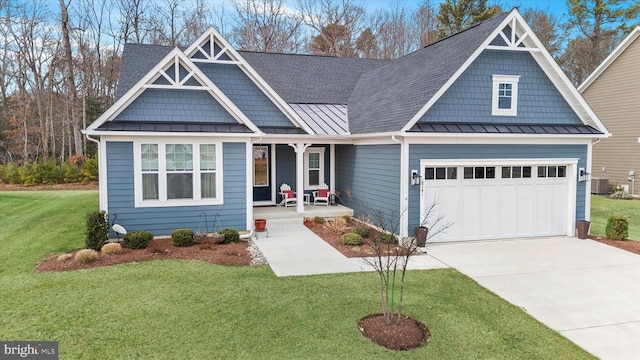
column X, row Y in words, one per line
column 497, row 201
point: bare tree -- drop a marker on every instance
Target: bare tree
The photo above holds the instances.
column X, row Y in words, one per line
column 545, row 26
column 71, row 83
column 393, row 32
column 266, row 26
column 337, row 24
column 425, row 21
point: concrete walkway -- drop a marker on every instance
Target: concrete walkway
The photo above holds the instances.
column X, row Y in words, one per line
column 587, row 291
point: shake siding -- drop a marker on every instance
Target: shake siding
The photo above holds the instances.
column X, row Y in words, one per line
column 244, row 93
column 163, row 220
column 176, row 105
column 371, row 173
column 469, row 99
column 438, row 152
column 615, row 98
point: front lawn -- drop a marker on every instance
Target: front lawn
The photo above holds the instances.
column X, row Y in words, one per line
column 173, row 309
column 602, row 207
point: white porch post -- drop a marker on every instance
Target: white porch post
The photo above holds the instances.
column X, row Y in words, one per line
column 299, row 148
column 332, row 166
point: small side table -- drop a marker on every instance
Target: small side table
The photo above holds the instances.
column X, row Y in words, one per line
column 307, row 199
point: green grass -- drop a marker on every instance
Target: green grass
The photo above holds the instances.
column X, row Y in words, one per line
column 602, row 207
column 171, row 309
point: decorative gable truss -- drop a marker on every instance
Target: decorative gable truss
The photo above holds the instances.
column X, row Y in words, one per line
column 513, row 34
column 213, row 48
column 175, row 71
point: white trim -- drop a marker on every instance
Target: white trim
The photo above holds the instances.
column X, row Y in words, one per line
column 276, row 187
column 249, row 184
column 404, row 187
column 633, row 35
column 102, row 175
column 495, row 95
column 174, row 57
column 162, row 172
column 332, row 168
column 316, row 150
column 543, row 58
column 213, row 35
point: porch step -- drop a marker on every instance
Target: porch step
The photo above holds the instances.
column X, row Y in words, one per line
column 284, row 213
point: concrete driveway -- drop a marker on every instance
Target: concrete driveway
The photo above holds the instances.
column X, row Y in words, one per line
column 587, row 291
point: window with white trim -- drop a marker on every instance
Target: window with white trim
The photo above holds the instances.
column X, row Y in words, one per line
column 505, row 95
column 177, row 173
column 313, row 167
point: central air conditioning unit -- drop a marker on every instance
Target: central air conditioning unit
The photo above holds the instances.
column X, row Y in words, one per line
column 599, row 186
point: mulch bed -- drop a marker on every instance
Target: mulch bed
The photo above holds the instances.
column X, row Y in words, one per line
column 351, row 251
column 629, row 245
column 234, row 254
column 79, row 186
column 403, row 334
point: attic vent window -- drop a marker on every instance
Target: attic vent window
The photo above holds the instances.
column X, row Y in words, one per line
column 505, row 95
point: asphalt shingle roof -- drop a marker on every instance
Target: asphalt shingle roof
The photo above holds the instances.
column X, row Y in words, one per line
column 386, row 98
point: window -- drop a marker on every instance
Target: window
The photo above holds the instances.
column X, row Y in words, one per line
column 313, row 167
column 505, row 95
column 480, row 172
column 516, row 172
column 552, row 171
column 440, row 173
column 177, row 174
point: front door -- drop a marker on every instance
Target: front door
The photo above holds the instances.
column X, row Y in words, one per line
column 261, row 173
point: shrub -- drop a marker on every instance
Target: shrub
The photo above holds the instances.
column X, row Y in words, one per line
column 336, row 226
column 111, row 249
column 89, row 169
column 138, row 239
column 351, row 239
column 363, row 232
column 347, row 218
column 65, row 257
column 71, row 173
column 86, row 256
column 621, row 194
column 97, row 232
column 617, row 227
column 319, row 220
column 230, row 235
column 386, row 238
column 182, row 237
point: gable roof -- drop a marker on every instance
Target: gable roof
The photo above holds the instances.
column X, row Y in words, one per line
column 635, row 33
column 386, row 98
column 302, row 79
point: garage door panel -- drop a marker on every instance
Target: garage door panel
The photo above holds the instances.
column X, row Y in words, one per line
column 500, row 208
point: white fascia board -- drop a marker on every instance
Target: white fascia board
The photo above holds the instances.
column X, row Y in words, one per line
column 134, row 134
column 496, row 140
column 610, row 59
column 210, row 34
column 173, row 137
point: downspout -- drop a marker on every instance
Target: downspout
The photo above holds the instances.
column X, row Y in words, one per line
column 102, row 173
column 404, row 191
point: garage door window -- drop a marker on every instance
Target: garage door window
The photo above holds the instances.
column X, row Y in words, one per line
column 480, row 172
column 440, row 173
column 516, row 172
column 552, row 171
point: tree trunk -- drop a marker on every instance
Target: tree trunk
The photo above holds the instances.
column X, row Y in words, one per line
column 77, row 135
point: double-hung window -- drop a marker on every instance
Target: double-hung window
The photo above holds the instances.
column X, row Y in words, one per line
column 505, row 95
column 177, row 173
column 313, row 168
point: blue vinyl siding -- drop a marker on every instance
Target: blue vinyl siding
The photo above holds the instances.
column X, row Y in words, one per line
column 469, row 99
column 176, row 105
column 451, row 151
column 371, row 175
column 245, row 95
column 163, row 220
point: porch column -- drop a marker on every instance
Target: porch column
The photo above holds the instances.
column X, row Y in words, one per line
column 299, row 148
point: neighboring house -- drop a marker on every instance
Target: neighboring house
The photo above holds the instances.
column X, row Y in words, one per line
column 484, row 123
column 613, row 92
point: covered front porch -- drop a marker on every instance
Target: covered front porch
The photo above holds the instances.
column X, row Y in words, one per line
column 291, row 213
